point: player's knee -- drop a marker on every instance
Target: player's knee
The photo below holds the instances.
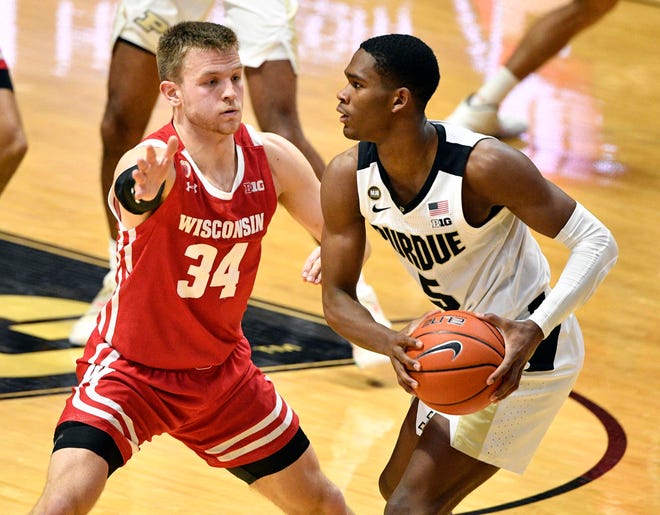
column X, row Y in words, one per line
column 54, row 502
column 404, row 502
column 14, row 144
column 327, row 498
column 401, row 502
column 321, row 496
column 11, row 157
column 385, row 486
column 332, row 500
column 19, row 146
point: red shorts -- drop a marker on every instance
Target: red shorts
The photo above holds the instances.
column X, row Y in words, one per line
column 229, row 414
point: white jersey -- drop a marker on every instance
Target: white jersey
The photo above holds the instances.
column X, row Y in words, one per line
column 497, row 267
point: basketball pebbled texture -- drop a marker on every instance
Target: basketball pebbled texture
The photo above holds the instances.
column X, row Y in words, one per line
column 460, row 351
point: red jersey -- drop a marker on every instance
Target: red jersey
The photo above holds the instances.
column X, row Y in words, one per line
column 185, row 274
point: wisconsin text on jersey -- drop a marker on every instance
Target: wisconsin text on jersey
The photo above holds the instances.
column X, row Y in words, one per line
column 222, row 229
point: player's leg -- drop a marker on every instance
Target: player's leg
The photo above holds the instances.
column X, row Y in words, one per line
column 543, row 40
column 425, row 474
column 84, row 451
column 76, row 478
column 273, row 93
column 401, row 453
column 302, row 488
column 550, row 33
column 267, row 36
column 13, row 142
column 131, row 96
column 116, row 406
column 264, row 446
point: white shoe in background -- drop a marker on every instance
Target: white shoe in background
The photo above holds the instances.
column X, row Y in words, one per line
column 376, row 367
column 85, row 325
column 485, row 119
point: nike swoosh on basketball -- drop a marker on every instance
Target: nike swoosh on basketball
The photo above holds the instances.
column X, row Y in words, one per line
column 377, row 209
column 453, row 345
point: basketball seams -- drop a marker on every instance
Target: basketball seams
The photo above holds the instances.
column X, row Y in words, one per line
column 496, row 332
column 450, row 370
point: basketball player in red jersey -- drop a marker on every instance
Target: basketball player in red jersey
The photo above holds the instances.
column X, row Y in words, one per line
column 267, row 37
column 13, row 143
column 193, row 202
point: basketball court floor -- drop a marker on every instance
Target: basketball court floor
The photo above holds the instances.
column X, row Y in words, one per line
column 593, row 114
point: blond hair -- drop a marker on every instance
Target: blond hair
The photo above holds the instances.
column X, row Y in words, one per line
column 178, row 39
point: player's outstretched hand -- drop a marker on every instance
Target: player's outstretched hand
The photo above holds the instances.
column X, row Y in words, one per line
column 521, row 338
column 152, row 170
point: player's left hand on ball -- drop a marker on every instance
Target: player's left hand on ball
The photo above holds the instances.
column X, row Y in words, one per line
column 521, row 338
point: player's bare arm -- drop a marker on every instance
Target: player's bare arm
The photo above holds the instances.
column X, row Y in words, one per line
column 498, row 175
column 296, row 184
column 343, row 247
column 298, row 191
column 143, row 178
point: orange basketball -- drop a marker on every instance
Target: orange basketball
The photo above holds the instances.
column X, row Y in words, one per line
column 460, row 351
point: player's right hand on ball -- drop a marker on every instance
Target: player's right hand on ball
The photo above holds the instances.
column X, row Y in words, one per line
column 401, row 361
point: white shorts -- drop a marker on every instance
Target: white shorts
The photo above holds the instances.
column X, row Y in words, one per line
column 265, row 29
column 508, row 433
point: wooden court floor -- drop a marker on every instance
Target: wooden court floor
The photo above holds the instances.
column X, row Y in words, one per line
column 594, row 129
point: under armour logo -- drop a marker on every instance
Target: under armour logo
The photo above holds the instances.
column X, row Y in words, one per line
column 191, row 186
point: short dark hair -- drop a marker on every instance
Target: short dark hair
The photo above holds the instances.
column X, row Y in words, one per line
column 174, row 44
column 405, row 60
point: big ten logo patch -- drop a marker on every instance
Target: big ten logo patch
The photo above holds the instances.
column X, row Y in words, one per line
column 252, row 186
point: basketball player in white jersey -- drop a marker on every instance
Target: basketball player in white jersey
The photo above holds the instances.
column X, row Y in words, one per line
column 456, row 207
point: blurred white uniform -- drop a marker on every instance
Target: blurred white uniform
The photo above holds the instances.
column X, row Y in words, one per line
column 265, row 28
